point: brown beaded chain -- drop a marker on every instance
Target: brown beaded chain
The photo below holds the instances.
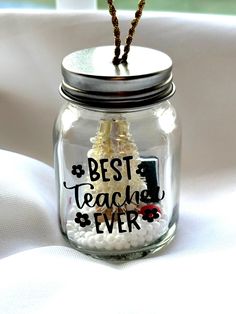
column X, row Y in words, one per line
column 117, row 60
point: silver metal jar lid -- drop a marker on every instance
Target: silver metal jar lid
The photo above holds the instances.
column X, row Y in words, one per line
column 91, row 79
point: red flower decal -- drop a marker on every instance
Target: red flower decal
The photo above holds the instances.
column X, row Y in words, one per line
column 150, row 212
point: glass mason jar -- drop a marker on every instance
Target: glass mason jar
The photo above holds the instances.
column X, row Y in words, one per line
column 117, row 153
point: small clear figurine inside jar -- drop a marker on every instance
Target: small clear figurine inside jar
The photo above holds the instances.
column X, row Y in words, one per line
column 117, row 153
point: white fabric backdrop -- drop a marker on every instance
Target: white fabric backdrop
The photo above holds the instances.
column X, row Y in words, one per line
column 28, row 214
column 196, row 272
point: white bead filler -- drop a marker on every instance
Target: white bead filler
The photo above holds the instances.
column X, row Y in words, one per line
column 88, row 238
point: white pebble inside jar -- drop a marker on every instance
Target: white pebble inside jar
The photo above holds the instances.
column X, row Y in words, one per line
column 88, row 238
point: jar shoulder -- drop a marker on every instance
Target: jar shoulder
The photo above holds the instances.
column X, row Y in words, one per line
column 161, row 117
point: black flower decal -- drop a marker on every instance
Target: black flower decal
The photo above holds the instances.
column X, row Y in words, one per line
column 78, row 171
column 142, row 170
column 82, row 219
column 151, row 214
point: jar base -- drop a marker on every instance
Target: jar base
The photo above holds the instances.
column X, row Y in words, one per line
column 135, row 253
